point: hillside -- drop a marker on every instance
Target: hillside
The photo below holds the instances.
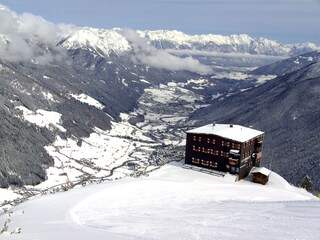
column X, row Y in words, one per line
column 287, row 110
column 288, row 65
column 197, row 204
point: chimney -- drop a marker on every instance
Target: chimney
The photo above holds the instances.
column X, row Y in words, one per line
column 231, row 125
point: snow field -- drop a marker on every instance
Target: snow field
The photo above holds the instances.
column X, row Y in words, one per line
column 172, row 203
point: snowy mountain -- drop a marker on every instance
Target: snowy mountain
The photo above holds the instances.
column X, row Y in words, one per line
column 98, row 40
column 215, row 50
column 172, row 203
column 116, row 40
column 228, row 44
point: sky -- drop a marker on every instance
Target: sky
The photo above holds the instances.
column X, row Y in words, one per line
column 288, row 21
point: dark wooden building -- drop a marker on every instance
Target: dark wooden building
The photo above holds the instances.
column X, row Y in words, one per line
column 260, row 175
column 225, row 148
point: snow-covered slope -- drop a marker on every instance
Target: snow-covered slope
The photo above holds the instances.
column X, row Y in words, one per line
column 173, row 203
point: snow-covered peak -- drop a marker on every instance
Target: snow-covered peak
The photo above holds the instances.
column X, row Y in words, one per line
column 113, row 40
column 102, row 41
column 242, row 43
column 182, row 38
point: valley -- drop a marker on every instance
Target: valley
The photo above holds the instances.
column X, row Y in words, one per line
column 140, row 142
column 116, row 103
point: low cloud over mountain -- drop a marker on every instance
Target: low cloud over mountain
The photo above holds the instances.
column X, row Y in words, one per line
column 146, row 54
column 22, row 37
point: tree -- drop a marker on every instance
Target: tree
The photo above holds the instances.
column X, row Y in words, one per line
column 307, row 184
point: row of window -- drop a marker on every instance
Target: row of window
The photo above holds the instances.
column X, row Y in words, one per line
column 204, row 162
column 210, row 151
column 247, row 154
column 213, row 141
column 217, row 152
column 248, row 143
column 232, row 144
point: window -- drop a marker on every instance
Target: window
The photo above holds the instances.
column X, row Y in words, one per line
column 238, row 146
column 204, row 162
column 195, row 160
column 208, row 140
column 232, row 145
column 222, row 143
column 194, row 138
column 194, row 148
column 213, row 164
column 199, row 139
column 228, row 144
column 213, row 141
column 199, row 149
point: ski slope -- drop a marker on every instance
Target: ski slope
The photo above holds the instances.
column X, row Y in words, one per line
column 172, row 203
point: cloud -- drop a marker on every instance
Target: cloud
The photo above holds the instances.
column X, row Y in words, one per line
column 28, row 37
column 144, row 53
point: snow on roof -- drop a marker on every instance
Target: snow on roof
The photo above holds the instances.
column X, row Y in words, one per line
column 261, row 170
column 234, row 132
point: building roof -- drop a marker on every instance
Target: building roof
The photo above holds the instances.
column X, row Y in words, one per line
column 234, row 132
column 261, row 170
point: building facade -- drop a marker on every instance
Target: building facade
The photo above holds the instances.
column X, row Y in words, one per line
column 225, row 148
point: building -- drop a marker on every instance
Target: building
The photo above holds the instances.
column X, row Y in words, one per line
column 260, row 175
column 224, row 148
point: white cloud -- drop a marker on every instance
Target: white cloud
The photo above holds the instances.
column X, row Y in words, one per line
column 21, row 37
column 144, row 53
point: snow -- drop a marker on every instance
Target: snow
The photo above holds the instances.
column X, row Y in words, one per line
column 172, row 203
column 263, row 78
column 144, row 81
column 99, row 154
column 262, row 170
column 102, row 41
column 243, row 76
column 49, row 96
column 42, row 118
column 46, row 77
column 171, row 92
column 231, row 75
column 88, row 100
column 7, row 195
column 236, row 132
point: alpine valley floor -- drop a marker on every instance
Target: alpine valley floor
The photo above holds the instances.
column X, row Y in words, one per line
column 171, row 203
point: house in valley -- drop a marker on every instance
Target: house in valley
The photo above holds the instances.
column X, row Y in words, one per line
column 224, row 148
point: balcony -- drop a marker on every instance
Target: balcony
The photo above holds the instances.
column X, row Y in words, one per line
column 258, row 144
column 233, row 162
column 234, row 154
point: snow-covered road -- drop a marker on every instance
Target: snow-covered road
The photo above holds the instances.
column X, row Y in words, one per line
column 173, row 203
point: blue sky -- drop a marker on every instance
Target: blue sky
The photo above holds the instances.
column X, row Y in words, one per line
column 288, row 21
